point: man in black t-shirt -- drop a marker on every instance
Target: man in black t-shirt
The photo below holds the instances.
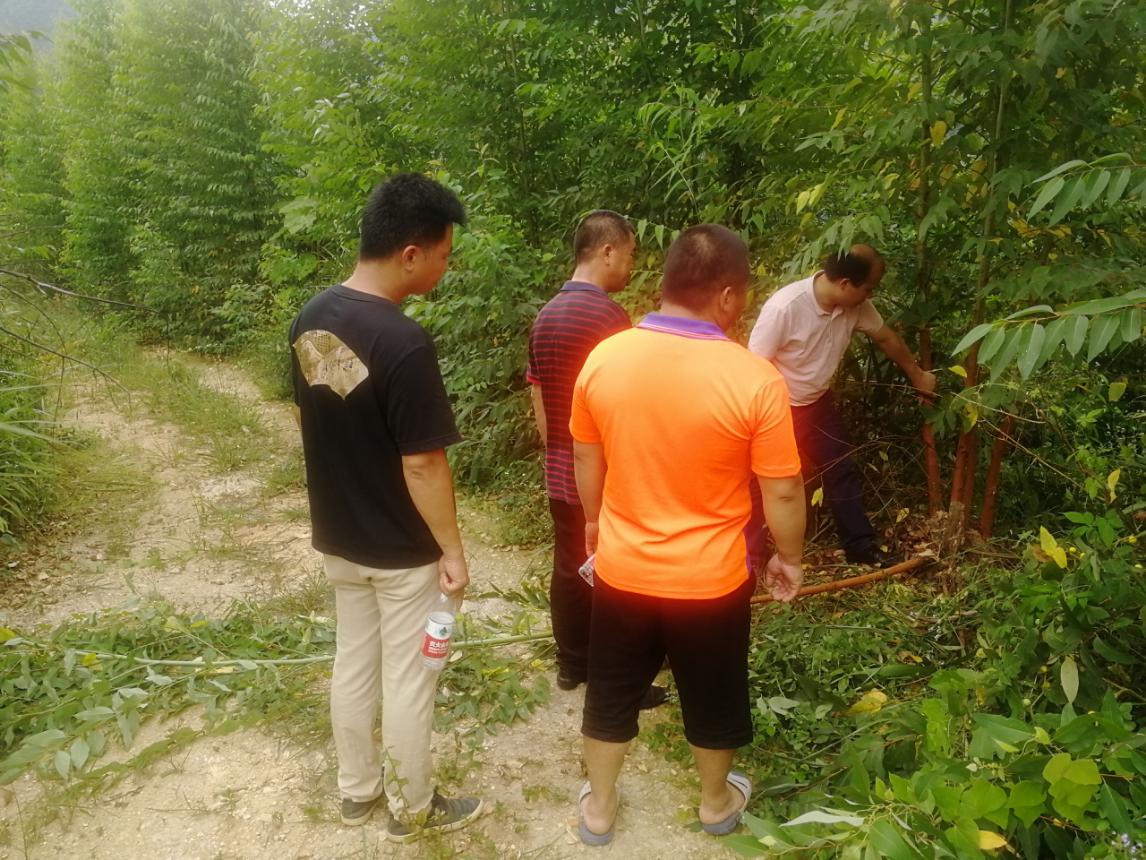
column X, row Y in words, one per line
column 375, row 423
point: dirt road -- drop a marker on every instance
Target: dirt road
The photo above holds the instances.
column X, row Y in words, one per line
column 208, row 536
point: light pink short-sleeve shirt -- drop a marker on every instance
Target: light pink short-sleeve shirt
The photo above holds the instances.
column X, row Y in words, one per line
column 806, row 342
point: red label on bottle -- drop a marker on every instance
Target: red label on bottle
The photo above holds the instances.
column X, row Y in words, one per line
column 436, row 642
column 435, row 648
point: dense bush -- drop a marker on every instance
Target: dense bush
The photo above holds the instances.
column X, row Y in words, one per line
column 26, row 477
column 949, row 726
column 193, row 149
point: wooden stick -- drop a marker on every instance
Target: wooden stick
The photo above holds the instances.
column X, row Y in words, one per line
column 855, row 581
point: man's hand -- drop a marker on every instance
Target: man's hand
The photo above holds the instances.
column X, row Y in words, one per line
column 783, row 578
column 453, row 574
column 924, row 382
column 591, row 532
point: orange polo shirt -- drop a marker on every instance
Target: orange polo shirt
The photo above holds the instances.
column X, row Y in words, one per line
column 686, row 417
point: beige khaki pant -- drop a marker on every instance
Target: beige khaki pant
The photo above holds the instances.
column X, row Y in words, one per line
column 381, row 618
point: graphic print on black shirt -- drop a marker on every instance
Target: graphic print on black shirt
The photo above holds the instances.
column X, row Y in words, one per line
column 368, row 387
column 326, row 360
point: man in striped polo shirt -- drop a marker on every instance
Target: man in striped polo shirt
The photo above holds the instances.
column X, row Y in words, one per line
column 574, row 321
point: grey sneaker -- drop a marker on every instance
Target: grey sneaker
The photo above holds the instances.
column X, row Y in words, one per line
column 445, row 814
column 356, row 812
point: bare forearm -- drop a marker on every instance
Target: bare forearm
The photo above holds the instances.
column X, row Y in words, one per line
column 895, row 349
column 589, row 469
column 893, row 346
column 431, row 487
column 539, row 413
column 784, row 511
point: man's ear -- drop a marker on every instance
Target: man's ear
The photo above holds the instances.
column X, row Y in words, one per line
column 726, row 300
column 410, row 256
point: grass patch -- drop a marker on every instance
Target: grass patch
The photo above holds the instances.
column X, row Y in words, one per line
column 93, row 488
column 297, row 513
column 105, row 490
column 227, row 429
column 309, row 594
column 267, row 360
column 286, row 474
column 515, row 511
column 29, row 477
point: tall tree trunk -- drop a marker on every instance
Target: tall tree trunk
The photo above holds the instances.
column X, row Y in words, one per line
column 970, row 474
column 966, row 465
column 991, row 485
column 930, row 453
column 953, row 532
column 922, row 262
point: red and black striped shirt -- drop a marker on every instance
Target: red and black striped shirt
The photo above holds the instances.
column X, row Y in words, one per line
column 574, row 321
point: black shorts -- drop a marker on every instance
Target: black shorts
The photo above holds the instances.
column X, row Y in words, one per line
column 706, row 642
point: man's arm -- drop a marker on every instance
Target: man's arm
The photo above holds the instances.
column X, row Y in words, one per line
column 589, row 468
column 539, row 412
column 431, row 488
column 895, row 349
column 768, row 334
column 784, row 512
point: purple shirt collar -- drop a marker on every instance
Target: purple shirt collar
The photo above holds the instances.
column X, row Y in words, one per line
column 581, row 286
column 699, row 329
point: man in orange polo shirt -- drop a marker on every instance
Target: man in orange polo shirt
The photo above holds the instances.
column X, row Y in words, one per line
column 671, row 420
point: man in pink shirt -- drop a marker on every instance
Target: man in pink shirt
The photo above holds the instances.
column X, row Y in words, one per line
column 804, row 329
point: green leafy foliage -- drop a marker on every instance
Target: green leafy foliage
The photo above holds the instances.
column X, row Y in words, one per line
column 29, row 389
column 1033, row 336
column 222, row 186
column 89, row 685
column 199, row 185
column 98, row 200
column 1078, row 185
column 30, row 187
column 14, row 50
column 209, row 159
column 26, row 477
column 101, row 685
column 480, row 318
column 1008, row 724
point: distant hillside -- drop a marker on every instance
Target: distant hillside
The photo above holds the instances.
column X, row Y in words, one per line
column 19, row 16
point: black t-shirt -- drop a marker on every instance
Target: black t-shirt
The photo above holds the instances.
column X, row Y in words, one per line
column 367, row 383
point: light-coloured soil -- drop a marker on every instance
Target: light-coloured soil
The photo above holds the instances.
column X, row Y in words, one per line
column 252, row 794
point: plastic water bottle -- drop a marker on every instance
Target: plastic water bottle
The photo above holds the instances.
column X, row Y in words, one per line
column 439, row 629
column 586, row 570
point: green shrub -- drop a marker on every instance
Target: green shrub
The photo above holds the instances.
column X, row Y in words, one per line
column 27, row 473
column 480, row 317
column 931, row 726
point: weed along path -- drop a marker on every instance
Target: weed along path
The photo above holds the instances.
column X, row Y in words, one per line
column 185, row 540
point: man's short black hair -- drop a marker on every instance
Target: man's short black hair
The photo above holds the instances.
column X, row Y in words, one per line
column 600, row 227
column 701, row 262
column 407, row 209
column 855, row 264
